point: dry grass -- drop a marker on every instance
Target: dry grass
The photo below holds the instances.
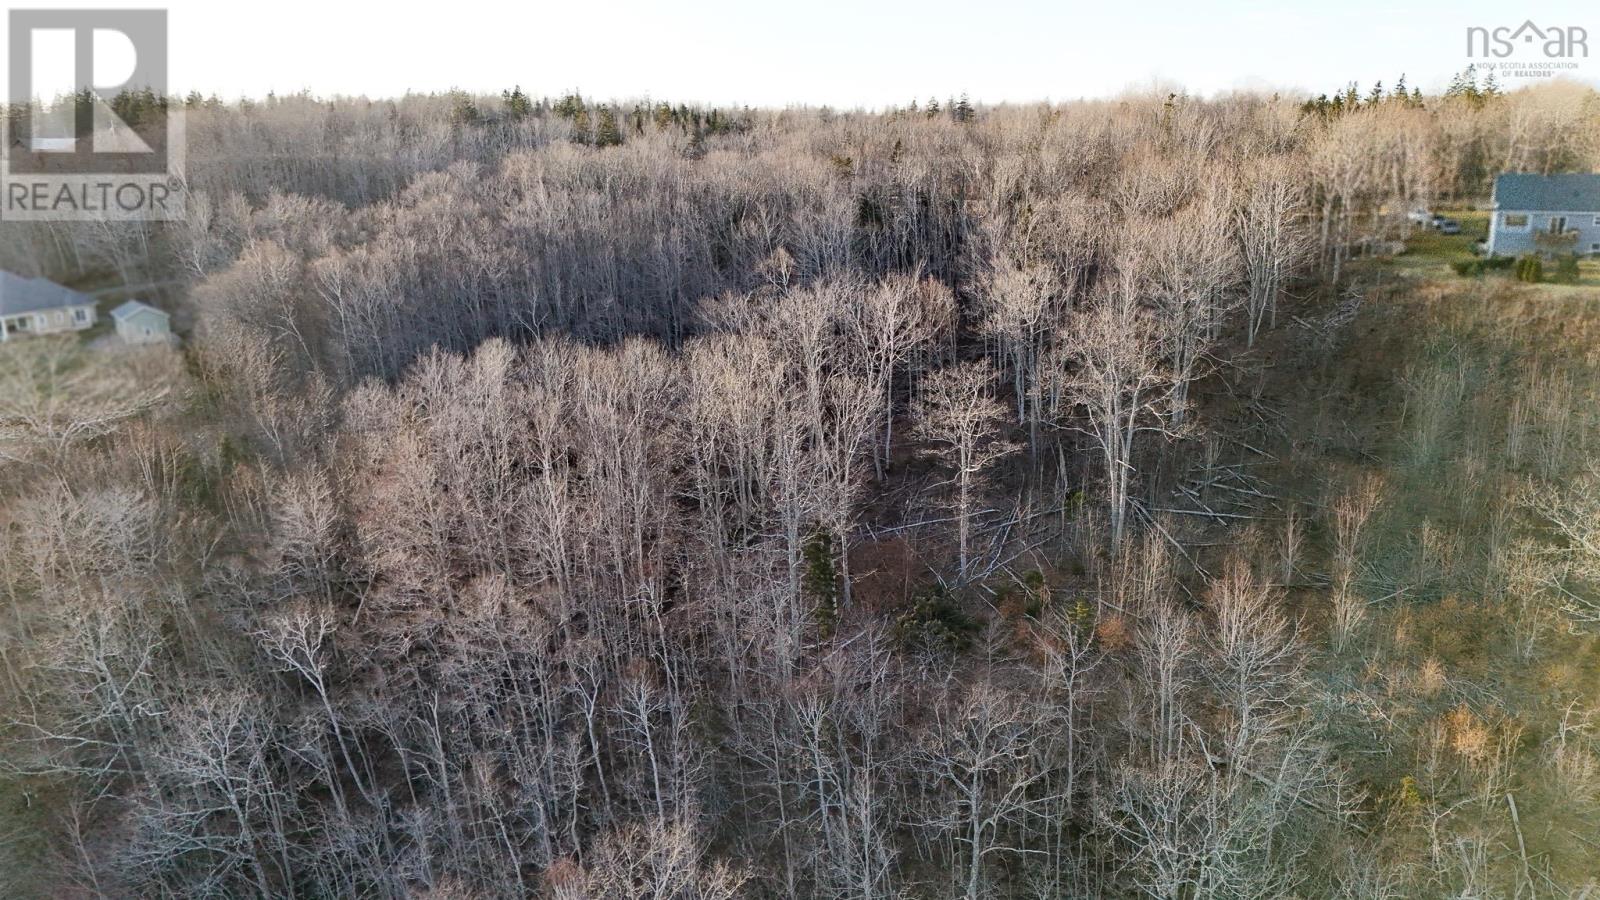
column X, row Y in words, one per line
column 1445, row 397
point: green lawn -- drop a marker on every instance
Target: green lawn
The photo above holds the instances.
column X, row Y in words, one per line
column 1429, row 254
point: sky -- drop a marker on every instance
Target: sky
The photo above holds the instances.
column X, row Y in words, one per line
column 830, row 52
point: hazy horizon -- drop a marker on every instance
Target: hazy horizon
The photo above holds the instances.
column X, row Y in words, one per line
column 832, row 54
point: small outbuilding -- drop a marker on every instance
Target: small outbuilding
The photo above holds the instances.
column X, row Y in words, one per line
column 141, row 323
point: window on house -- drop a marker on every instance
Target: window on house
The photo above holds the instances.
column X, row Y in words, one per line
column 1558, row 224
column 80, row 315
column 1597, row 220
column 1516, row 220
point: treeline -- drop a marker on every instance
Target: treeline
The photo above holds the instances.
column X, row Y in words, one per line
column 904, row 168
column 357, row 152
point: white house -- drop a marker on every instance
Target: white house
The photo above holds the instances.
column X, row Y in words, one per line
column 1546, row 214
column 35, row 306
column 140, row 323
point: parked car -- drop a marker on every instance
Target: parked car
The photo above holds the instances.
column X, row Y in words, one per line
column 1449, row 226
column 1435, row 221
column 1419, row 216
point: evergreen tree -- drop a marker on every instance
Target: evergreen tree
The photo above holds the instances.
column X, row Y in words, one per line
column 133, row 107
column 463, row 111
column 1465, row 85
column 820, row 580
column 518, row 106
column 933, row 107
column 573, row 108
column 962, row 111
column 1376, row 96
column 607, row 134
column 570, row 106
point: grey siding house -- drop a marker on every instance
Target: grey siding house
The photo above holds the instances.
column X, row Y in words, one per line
column 140, row 323
column 35, row 306
column 1564, row 208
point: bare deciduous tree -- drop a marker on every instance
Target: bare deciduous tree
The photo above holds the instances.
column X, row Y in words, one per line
column 959, row 416
column 983, row 755
column 1269, row 229
column 1111, row 367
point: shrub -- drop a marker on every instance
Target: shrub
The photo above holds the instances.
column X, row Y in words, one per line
column 1475, row 268
column 1530, row 269
column 821, row 579
column 936, row 621
column 1566, row 269
column 1038, row 593
column 1407, row 799
column 1114, row 633
column 1029, row 599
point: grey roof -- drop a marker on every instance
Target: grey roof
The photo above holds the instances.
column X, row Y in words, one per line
column 26, row 295
column 1548, row 193
column 133, row 306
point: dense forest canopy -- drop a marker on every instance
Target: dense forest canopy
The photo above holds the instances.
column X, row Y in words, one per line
column 572, row 499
